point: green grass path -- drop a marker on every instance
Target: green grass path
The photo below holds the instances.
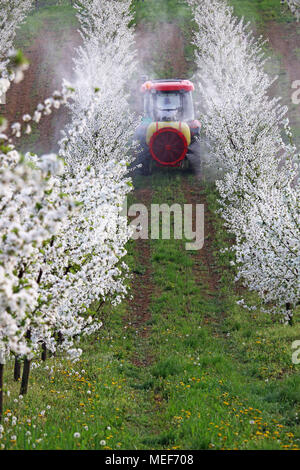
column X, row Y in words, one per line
column 181, row 365
column 187, row 370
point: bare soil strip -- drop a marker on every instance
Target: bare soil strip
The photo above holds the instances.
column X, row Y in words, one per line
column 205, row 263
column 42, row 78
column 284, row 39
column 161, row 50
column 142, row 289
column 204, row 268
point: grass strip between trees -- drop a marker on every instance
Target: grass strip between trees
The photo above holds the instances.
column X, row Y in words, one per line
column 216, row 376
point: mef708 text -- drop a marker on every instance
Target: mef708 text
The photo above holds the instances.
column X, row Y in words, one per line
column 168, row 459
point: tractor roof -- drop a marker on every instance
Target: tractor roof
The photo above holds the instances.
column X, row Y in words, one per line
column 168, row 85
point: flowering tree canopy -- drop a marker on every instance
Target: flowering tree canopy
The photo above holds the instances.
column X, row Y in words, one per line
column 294, row 6
column 12, row 64
column 62, row 231
column 250, row 138
column 102, row 122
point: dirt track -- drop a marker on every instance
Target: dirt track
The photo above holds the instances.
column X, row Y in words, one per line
column 142, row 288
column 161, row 50
column 41, row 79
column 285, row 41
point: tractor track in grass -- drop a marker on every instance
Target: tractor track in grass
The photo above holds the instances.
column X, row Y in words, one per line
column 171, row 187
column 205, row 268
column 205, row 262
column 142, row 290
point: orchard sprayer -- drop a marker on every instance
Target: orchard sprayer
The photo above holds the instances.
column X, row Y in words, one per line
column 168, row 134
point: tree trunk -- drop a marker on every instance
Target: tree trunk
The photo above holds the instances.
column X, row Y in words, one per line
column 25, row 377
column 290, row 314
column 44, row 352
column 17, row 369
column 59, row 337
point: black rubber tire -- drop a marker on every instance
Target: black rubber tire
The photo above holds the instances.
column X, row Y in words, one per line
column 194, row 156
column 147, row 166
column 186, row 164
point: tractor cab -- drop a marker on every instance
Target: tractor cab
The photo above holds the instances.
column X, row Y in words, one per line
column 168, row 100
column 168, row 128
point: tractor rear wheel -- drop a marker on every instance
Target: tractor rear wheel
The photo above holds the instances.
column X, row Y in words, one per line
column 147, row 166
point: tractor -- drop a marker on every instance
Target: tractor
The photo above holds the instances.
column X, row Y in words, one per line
column 168, row 133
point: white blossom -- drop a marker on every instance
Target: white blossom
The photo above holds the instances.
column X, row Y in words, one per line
column 250, row 140
column 294, row 6
column 12, row 14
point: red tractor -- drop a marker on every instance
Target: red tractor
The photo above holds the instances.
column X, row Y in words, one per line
column 168, row 132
